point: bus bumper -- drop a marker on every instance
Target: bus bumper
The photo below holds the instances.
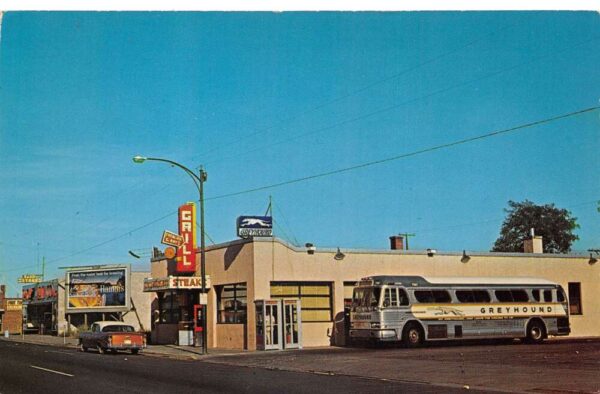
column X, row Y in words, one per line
column 381, row 335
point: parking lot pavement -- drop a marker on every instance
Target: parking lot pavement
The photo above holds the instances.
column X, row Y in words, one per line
column 555, row 366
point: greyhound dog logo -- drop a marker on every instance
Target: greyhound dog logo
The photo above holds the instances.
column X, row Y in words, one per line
column 254, row 222
column 444, row 310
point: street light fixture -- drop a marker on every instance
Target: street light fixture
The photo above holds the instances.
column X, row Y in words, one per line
column 199, row 182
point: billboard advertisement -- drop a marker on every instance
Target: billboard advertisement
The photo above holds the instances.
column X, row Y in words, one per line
column 42, row 292
column 186, row 253
column 101, row 289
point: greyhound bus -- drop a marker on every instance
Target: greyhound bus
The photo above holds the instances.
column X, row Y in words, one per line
column 415, row 309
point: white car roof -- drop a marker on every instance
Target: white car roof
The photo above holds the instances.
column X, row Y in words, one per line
column 103, row 324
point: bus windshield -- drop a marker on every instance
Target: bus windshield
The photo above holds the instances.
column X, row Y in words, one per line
column 366, row 296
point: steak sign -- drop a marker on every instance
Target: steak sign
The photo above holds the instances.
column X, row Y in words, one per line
column 186, row 252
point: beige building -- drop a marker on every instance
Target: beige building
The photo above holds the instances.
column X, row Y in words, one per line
column 246, row 270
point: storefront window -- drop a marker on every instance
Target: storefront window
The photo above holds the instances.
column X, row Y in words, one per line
column 315, row 298
column 232, row 302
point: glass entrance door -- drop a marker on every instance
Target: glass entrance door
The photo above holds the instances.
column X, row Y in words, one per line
column 272, row 326
column 268, row 325
column 292, row 323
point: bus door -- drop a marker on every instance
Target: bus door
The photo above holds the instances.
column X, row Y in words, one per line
column 292, row 323
column 268, row 325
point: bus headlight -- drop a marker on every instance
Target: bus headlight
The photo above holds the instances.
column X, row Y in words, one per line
column 376, row 325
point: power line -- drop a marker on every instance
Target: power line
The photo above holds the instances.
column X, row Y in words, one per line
column 347, row 169
column 410, row 101
column 410, row 154
column 362, row 89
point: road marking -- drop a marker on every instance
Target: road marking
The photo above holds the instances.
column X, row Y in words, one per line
column 53, row 371
column 54, row 351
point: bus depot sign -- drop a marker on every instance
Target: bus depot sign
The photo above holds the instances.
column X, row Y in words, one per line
column 30, row 278
column 186, row 252
column 175, row 283
column 254, row 226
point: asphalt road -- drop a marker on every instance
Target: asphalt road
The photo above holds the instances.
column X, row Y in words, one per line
column 565, row 366
column 27, row 368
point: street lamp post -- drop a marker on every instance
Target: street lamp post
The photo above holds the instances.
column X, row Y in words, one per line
column 199, row 182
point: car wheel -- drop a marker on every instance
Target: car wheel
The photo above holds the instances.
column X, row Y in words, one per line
column 101, row 350
column 536, row 332
column 413, row 335
column 135, row 351
column 82, row 348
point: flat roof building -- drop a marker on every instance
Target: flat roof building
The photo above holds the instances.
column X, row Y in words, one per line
column 248, row 274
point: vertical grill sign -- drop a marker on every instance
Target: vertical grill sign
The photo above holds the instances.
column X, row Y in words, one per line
column 186, row 253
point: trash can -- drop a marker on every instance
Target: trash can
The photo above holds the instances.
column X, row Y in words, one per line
column 186, row 333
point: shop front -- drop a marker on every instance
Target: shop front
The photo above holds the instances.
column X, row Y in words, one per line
column 40, row 307
column 177, row 310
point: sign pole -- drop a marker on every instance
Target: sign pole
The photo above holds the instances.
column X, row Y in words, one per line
column 203, row 177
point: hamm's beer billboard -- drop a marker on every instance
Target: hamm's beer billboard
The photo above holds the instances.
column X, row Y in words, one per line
column 186, row 253
column 103, row 290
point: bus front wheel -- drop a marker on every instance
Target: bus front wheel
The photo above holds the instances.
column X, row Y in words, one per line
column 413, row 335
column 536, row 332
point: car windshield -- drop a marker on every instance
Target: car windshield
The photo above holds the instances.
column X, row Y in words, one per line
column 117, row 328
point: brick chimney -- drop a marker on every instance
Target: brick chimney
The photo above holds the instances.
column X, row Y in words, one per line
column 534, row 244
column 397, row 242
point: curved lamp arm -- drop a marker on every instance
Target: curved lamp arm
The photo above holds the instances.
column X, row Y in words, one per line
column 195, row 178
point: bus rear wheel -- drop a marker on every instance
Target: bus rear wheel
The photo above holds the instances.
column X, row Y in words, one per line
column 536, row 332
column 413, row 335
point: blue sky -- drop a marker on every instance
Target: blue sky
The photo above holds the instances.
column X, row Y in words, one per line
column 264, row 98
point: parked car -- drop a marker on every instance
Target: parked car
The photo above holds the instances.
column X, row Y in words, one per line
column 112, row 336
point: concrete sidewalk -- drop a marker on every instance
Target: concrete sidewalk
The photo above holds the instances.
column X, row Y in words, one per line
column 171, row 351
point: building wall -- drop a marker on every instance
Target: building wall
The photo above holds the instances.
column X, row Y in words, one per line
column 12, row 320
column 263, row 260
column 233, row 263
column 275, row 261
column 142, row 302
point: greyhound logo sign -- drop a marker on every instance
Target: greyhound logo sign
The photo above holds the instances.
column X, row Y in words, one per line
column 254, row 226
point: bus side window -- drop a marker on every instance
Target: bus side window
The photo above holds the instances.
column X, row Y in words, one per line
column 560, row 295
column 441, row 296
column 504, row 295
column 536, row 294
column 548, row 295
column 465, row 296
column 386, row 298
column 520, row 295
column 394, row 296
column 403, row 297
column 424, row 296
column 481, row 296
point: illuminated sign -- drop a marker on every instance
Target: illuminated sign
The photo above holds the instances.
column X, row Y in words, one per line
column 186, row 253
column 171, row 239
column 30, row 278
column 40, row 292
column 174, row 283
column 254, row 226
column 14, row 305
column 102, row 289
